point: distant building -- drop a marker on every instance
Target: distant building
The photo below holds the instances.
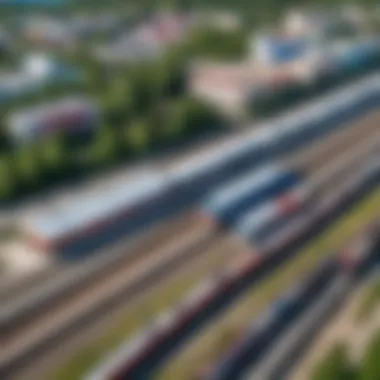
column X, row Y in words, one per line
column 89, row 24
column 72, row 115
column 17, row 84
column 48, row 32
column 147, row 41
column 228, row 21
column 277, row 49
column 230, row 86
column 35, row 72
column 325, row 25
column 306, row 22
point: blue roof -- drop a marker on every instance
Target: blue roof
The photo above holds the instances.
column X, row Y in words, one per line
column 97, row 205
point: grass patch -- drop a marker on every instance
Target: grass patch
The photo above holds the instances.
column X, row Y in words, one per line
column 369, row 301
column 208, row 345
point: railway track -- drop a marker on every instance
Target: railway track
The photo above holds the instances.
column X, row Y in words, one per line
column 279, row 359
column 300, row 234
column 99, row 265
column 66, row 309
column 318, row 155
column 347, row 150
column 308, row 160
column 186, row 234
column 118, row 297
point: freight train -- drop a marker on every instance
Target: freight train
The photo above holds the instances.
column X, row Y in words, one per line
column 252, row 344
column 136, row 358
column 182, row 184
column 257, row 224
column 228, row 202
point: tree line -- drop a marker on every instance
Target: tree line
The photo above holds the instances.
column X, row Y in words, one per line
column 144, row 108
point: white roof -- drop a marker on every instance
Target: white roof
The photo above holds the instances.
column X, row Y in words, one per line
column 82, row 211
column 208, row 160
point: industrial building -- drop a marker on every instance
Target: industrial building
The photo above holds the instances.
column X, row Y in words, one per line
column 95, row 217
column 71, row 114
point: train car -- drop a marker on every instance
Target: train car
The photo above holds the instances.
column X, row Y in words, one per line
column 135, row 365
column 250, row 346
column 71, row 115
column 131, row 360
column 97, row 217
column 362, row 251
column 228, row 201
column 257, row 224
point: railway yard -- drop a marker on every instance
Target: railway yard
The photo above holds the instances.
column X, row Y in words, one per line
column 168, row 302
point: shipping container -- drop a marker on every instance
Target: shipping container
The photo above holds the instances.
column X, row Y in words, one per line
column 228, row 201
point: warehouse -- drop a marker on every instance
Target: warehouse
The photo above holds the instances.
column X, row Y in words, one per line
column 97, row 216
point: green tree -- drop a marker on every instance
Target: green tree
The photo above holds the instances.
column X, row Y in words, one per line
column 336, row 366
column 218, row 44
column 192, row 116
column 8, row 185
column 175, row 66
column 137, row 136
column 106, row 147
column 54, row 156
column 371, row 364
column 29, row 168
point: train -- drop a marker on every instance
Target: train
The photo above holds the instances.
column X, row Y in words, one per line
column 253, row 342
column 227, row 202
column 184, row 184
column 70, row 114
column 251, row 345
column 258, row 223
column 137, row 357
